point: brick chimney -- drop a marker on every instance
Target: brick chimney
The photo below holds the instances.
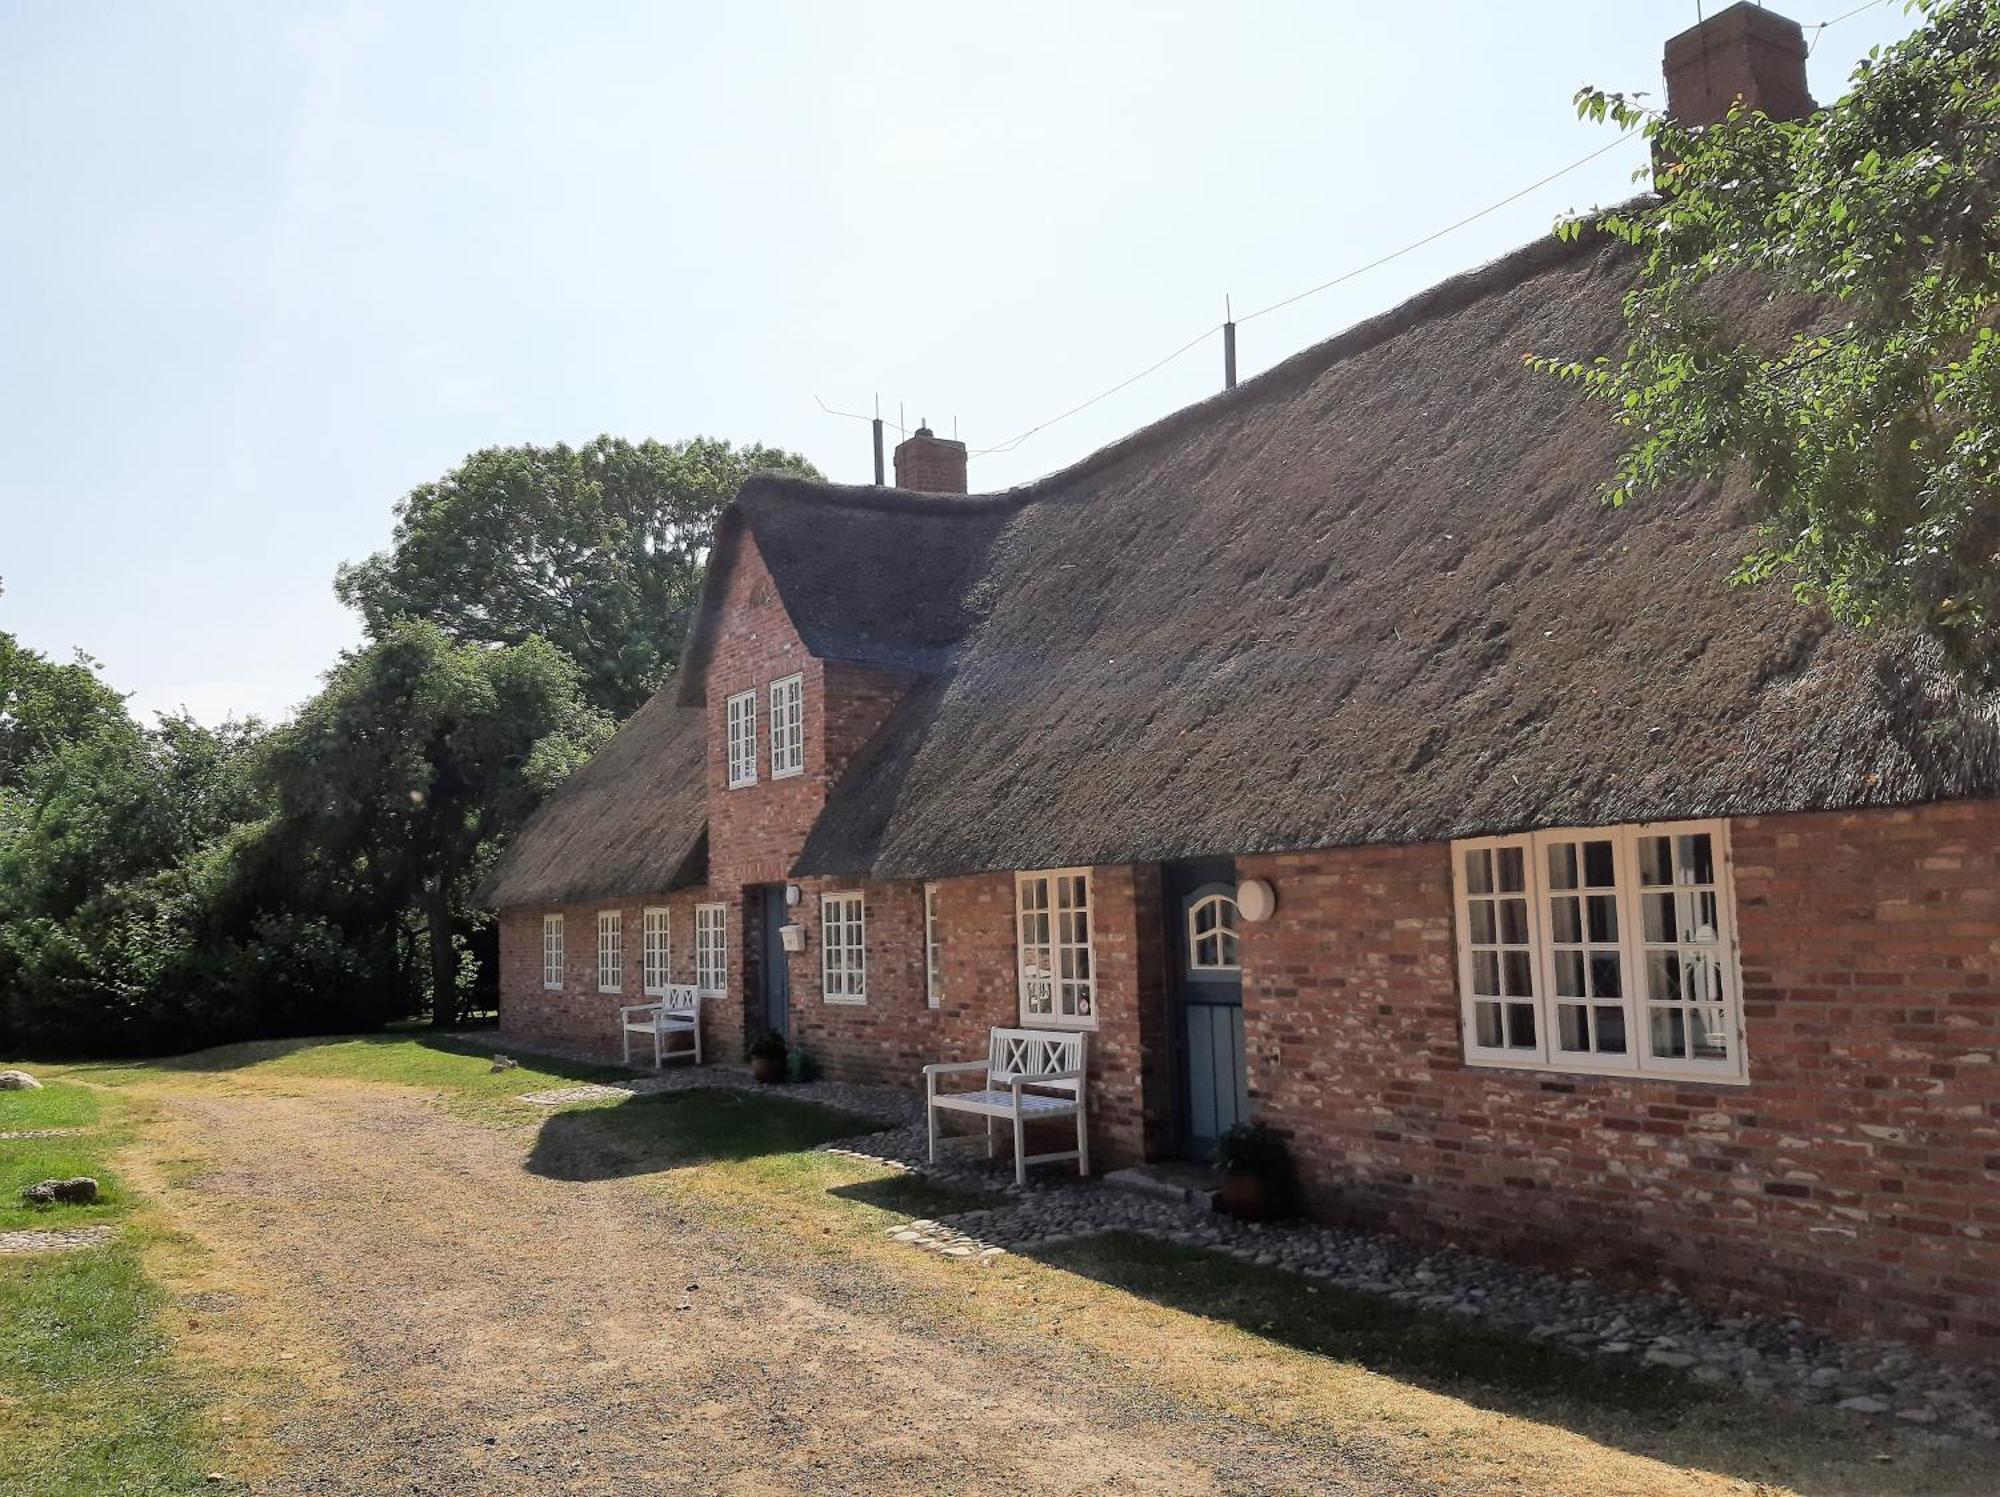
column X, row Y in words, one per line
column 930, row 464
column 1745, row 52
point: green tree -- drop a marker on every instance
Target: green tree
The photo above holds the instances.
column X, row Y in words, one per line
column 109, row 844
column 597, row 549
column 396, row 785
column 44, row 706
column 1864, row 408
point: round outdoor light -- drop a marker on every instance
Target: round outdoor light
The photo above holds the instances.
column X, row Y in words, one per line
column 1255, row 900
column 792, row 896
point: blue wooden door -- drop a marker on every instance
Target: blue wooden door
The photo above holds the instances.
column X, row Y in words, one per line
column 1208, row 995
column 777, row 967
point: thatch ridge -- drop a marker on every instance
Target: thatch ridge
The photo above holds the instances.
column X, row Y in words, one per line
column 1373, row 596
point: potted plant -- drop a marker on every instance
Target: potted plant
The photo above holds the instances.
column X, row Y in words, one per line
column 1256, row 1171
column 768, row 1054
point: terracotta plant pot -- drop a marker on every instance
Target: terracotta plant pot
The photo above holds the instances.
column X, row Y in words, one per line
column 768, row 1068
column 1247, row 1197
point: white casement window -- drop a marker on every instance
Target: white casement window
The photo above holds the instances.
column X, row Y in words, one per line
column 657, row 952
column 933, row 949
column 1211, row 928
column 552, row 952
column 843, row 949
column 1052, row 926
column 1605, row 950
column 711, row 948
column 788, row 727
column 610, row 951
column 742, row 711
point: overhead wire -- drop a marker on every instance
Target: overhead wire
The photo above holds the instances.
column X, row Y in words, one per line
column 1819, row 31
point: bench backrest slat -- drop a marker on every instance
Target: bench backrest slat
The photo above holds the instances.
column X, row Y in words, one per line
column 1034, row 1052
column 679, row 996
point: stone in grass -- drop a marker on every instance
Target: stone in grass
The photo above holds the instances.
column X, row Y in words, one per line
column 18, row 1081
column 1864, row 1405
column 81, row 1191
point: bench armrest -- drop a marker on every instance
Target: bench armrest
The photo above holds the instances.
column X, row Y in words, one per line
column 940, row 1067
column 638, row 1008
column 1021, row 1081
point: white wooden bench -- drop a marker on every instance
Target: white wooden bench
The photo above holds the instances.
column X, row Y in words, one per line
column 1032, row 1075
column 678, row 1011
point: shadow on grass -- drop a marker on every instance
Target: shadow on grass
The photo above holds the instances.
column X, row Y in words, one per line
column 668, row 1130
column 914, row 1196
column 1646, row 1410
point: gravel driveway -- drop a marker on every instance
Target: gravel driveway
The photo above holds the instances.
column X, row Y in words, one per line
column 479, row 1328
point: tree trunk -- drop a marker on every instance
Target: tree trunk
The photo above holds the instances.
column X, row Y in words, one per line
column 444, row 961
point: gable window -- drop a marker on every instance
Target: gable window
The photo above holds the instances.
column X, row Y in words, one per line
column 843, row 948
column 788, row 727
column 933, row 949
column 742, row 714
column 1052, row 928
column 711, row 948
column 552, row 952
column 1610, row 950
column 610, row 951
column 1211, row 930
column 657, row 952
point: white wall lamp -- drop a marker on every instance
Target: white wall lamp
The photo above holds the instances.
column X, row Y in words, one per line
column 1256, row 900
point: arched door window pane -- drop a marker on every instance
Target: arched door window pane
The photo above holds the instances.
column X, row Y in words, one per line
column 1212, row 935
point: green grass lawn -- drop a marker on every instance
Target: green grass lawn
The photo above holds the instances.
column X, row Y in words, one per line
column 24, row 1161
column 90, row 1401
column 459, row 1068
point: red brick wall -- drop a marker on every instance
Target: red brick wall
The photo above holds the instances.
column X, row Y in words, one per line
column 579, row 1016
column 1856, row 1179
column 896, row 1033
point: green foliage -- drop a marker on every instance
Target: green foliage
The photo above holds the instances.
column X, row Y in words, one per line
column 1862, row 396
column 598, row 550
column 44, row 706
column 397, row 785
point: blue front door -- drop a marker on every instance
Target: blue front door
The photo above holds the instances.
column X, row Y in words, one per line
column 1208, row 994
column 777, row 968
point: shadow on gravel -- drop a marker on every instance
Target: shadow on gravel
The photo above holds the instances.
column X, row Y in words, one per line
column 1646, row 1410
column 668, row 1130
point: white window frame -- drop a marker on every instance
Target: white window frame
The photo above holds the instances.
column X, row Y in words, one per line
column 1635, row 998
column 610, row 951
column 552, row 953
column 1070, row 989
column 843, row 947
column 740, row 739
column 933, row 950
column 711, row 949
column 1225, row 932
column 788, row 727
column 656, row 952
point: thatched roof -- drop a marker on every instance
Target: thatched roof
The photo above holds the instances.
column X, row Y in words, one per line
column 1372, row 596
column 870, row 576
column 634, row 820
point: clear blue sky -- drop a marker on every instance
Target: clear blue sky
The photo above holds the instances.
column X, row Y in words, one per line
column 263, row 267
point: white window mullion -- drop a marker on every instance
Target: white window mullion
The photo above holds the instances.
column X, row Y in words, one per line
column 1054, row 951
column 843, row 944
